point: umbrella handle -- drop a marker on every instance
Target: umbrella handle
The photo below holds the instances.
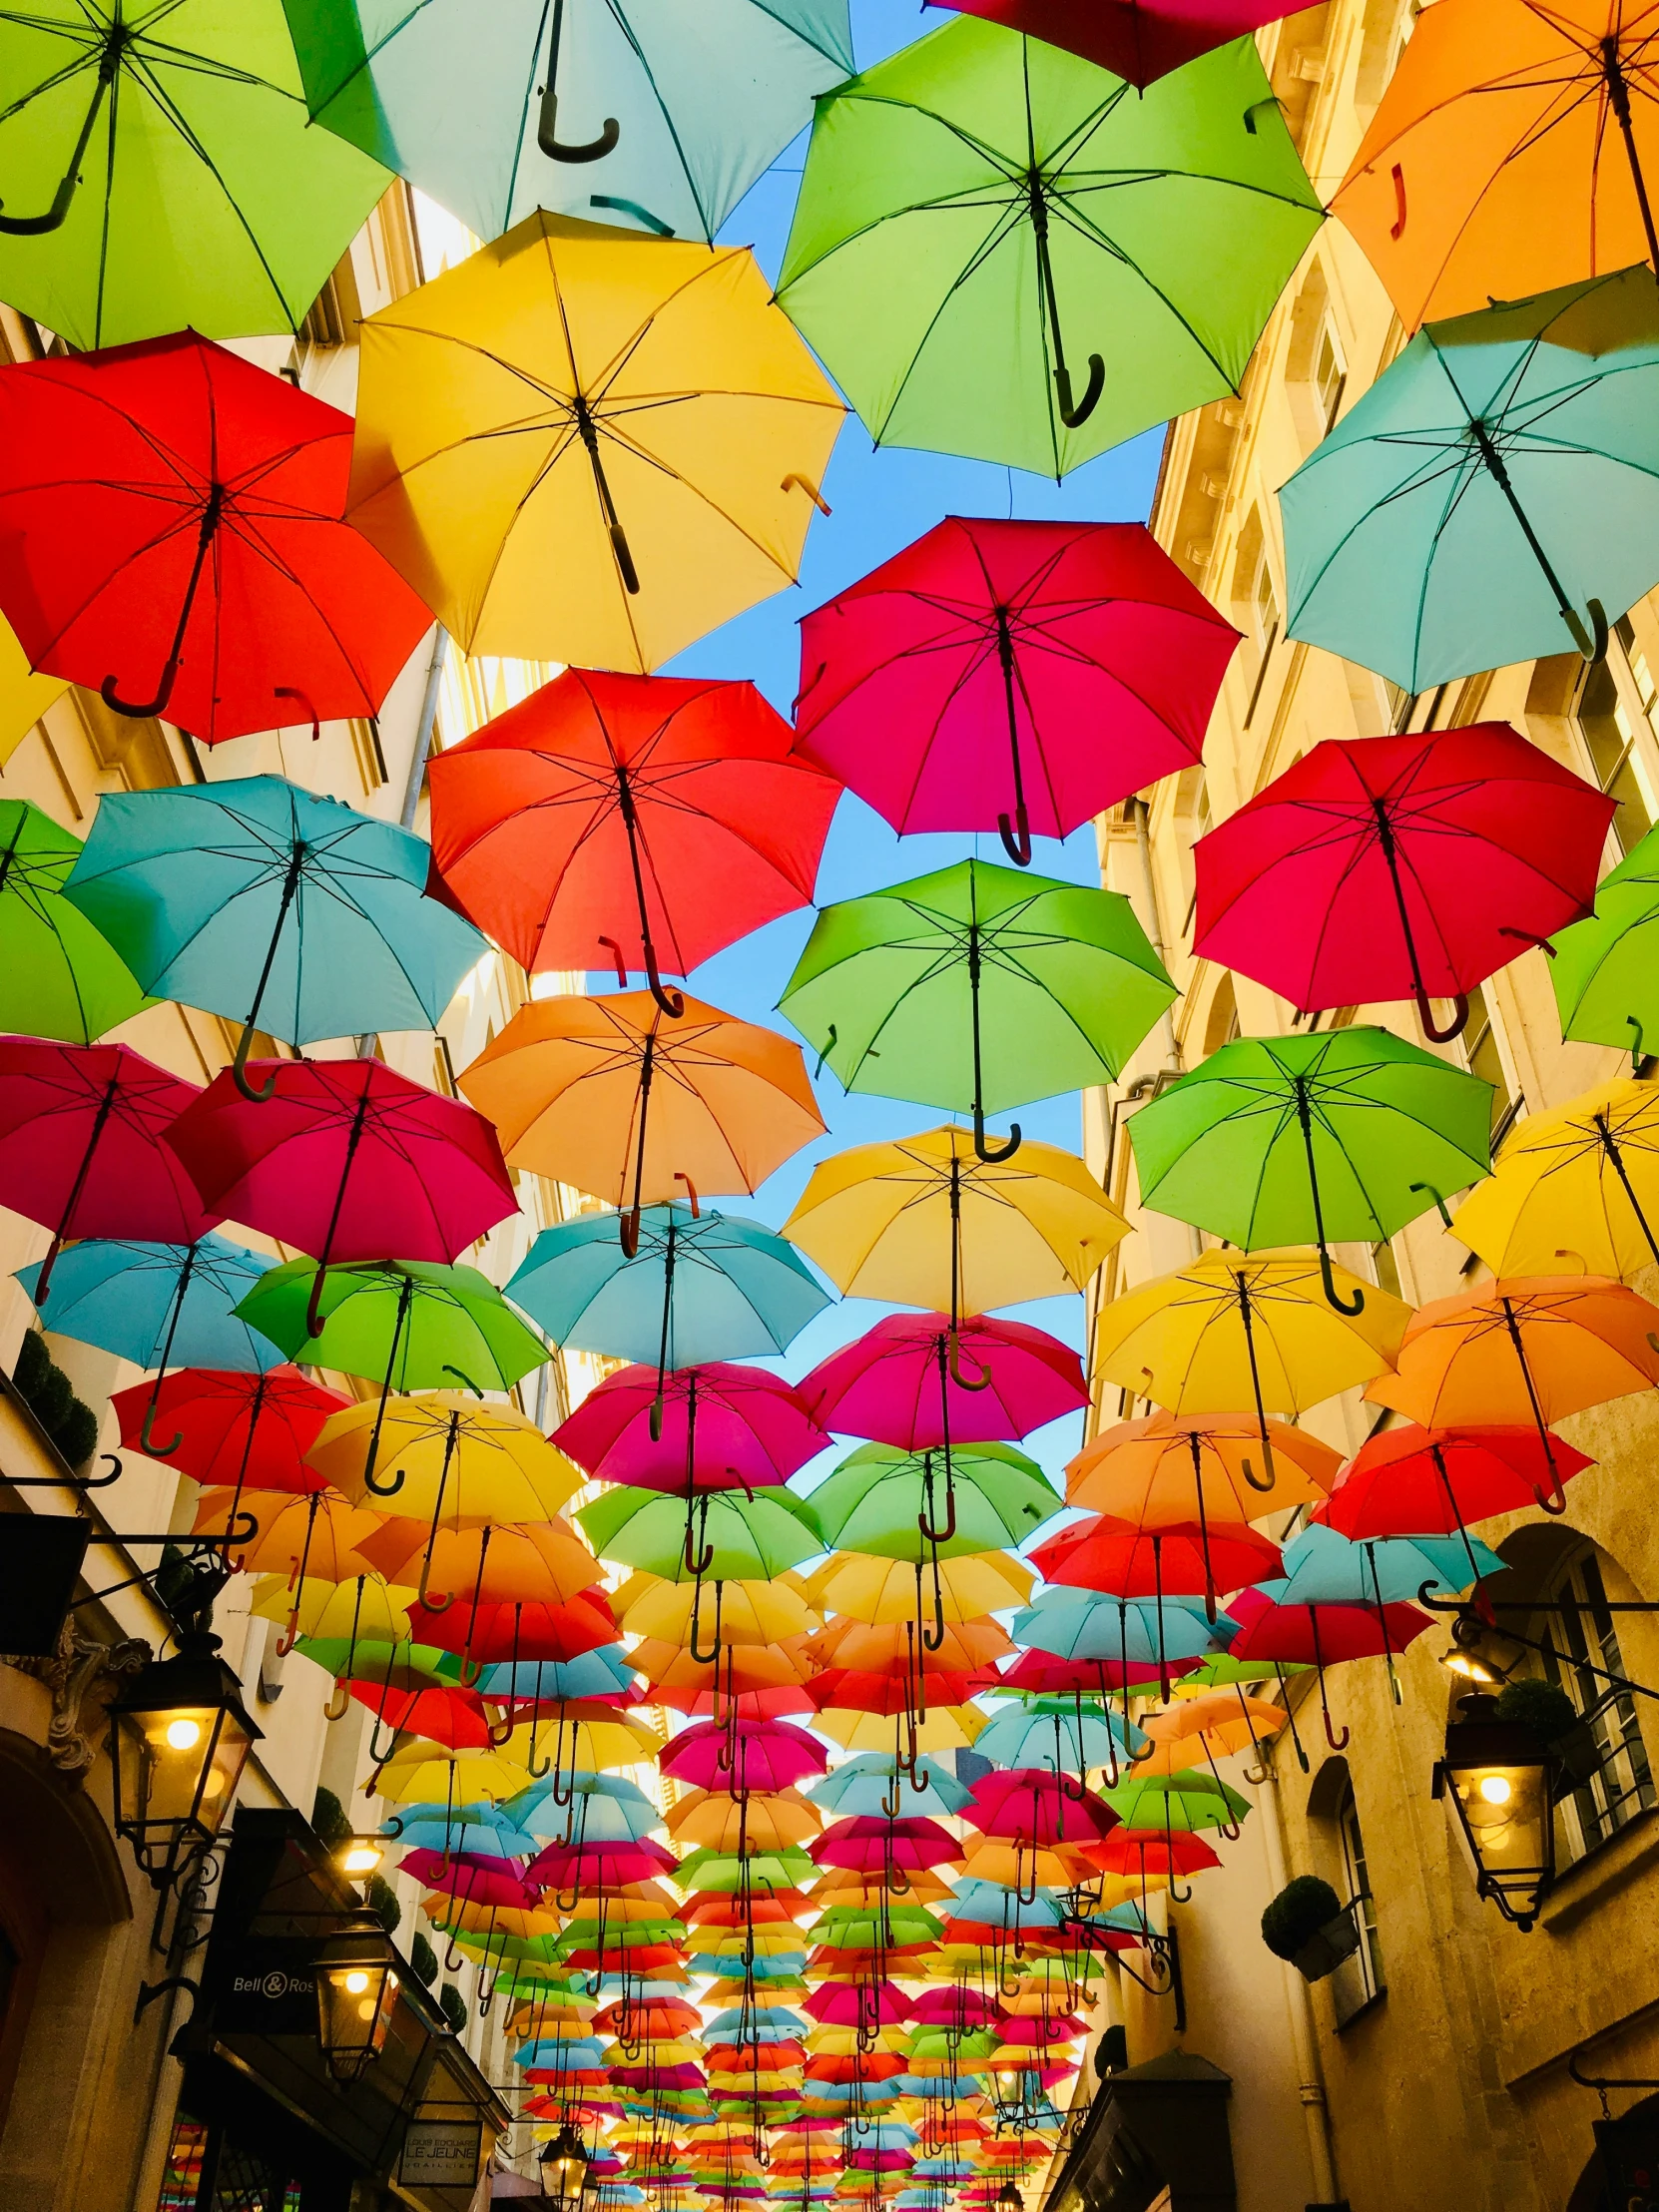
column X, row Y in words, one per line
column 794, row 482
column 238, row 1071
column 1638, row 1051
column 1016, row 836
column 621, row 963
column 627, row 1235
column 556, row 151
column 1074, row 415
column 988, row 1154
column 933, row 1535
column 1335, row 1741
column 1178, row 1895
column 500, row 1731
column 436, row 1601
column 680, row 1175
column 672, row 1003
column 147, row 1438
column 1591, row 643
column 1332, row 1297
column 288, row 691
column 1440, row 1202
column 1556, row 1507
column 339, row 1701
column 1426, row 1014
column 313, row 1304
column 384, row 1489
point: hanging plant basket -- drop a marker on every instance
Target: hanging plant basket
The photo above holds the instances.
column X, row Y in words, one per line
column 1307, row 1924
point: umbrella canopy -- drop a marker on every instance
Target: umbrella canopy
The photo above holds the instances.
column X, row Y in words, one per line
column 171, row 535
column 746, row 1538
column 532, row 1562
column 1488, row 499
column 156, row 1304
column 631, row 413
column 1604, row 970
column 1209, row 1728
column 977, row 987
column 160, row 172
column 364, row 1608
column 1323, row 1636
column 982, row 652
column 1508, row 155
column 1580, row 1183
column 1176, row 1803
column 58, row 977
column 407, row 1323
column 765, row 1755
column 1334, row 1135
column 1100, row 1554
column 749, row 1612
column 888, row 1590
column 608, row 1095
column 1003, row 252
column 881, row 1499
column 1415, row 1481
column 1133, row 39
column 1399, row 867
column 315, row 1536
column 860, row 1785
column 644, row 822
column 520, row 1633
column 927, row 1222
column 725, row 1426
column 665, row 120
column 258, row 900
column 1324, row 1568
column 914, row 1381
column 230, row 1428
column 1168, row 1468
column 1054, row 1737
column 448, row 1456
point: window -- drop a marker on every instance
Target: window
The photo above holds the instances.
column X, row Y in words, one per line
column 1582, row 1636
column 1358, row 1979
column 1330, row 376
column 1482, row 1057
column 1385, row 1269
column 1616, row 703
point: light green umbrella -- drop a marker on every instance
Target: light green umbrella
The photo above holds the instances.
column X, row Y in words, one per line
column 1347, row 1133
column 158, row 170
column 1606, row 968
column 883, row 1500
column 59, row 976
column 1179, row 1803
column 979, row 988
column 1003, row 252
column 740, row 1536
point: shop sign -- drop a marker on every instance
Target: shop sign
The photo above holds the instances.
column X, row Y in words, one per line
column 269, row 1990
column 441, row 2154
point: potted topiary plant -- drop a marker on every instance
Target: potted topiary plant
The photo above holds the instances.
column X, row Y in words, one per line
column 1307, row 1924
column 1550, row 1714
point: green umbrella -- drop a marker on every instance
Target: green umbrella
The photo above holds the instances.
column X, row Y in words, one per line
column 59, row 976
column 1345, row 1134
column 742, row 1536
column 857, row 1928
column 979, row 988
column 158, row 170
column 983, row 215
column 883, row 1500
column 1606, row 968
column 725, row 1875
column 1182, row 1803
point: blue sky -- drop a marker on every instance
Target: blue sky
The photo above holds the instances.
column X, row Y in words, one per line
column 880, row 501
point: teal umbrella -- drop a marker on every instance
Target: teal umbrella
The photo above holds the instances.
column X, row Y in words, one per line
column 604, row 109
column 1003, row 252
column 1493, row 497
column 1606, row 968
column 979, row 988
column 1345, row 1134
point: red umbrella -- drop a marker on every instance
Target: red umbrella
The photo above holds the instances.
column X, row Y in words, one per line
column 727, row 1428
column 867, row 1842
column 1144, row 1852
column 1021, row 676
column 607, row 812
column 171, row 536
column 1136, row 39
column 454, row 1718
column 464, row 1875
column 1034, row 1807
column 1412, row 1482
column 873, row 1690
column 1041, row 1674
column 503, row 1630
column 1123, row 1561
column 913, row 1381
column 1401, row 867
column 1321, row 1636
column 348, row 1160
column 81, row 1150
column 235, row 1431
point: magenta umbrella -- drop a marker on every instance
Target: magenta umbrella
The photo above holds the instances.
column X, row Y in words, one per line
column 760, row 1755
column 912, row 1381
column 348, row 1160
column 1032, row 1806
column 1021, row 676
column 723, row 1427
column 588, row 1864
column 858, row 2004
column 865, row 1840
column 1140, row 40
column 476, row 1879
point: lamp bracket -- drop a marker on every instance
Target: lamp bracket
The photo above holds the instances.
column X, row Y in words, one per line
column 1470, row 1622
column 1606, row 2081
column 149, row 1992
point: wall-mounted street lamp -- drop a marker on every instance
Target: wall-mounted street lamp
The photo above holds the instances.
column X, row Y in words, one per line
column 1499, row 1779
column 356, row 1987
column 564, row 2166
column 179, row 1742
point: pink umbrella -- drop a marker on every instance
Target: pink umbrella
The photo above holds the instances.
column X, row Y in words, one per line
column 728, row 1427
column 588, row 1864
column 858, row 2004
column 912, row 1381
column 348, row 1160
column 760, row 1755
column 1025, row 675
column 465, row 1874
column 867, row 1840
column 955, row 2007
column 1137, row 39
column 1032, row 1806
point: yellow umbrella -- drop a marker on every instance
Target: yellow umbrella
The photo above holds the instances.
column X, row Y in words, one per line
column 1579, row 1185
column 926, row 1223
column 941, row 1728
column 777, row 1822
column 1203, row 1729
column 459, row 1915
column 449, row 1459
column 1013, row 1867
column 587, row 445
column 366, row 1606
column 420, row 1772
column 888, row 1591
column 310, row 1535
column 589, row 1743
column 747, row 1613
column 24, row 696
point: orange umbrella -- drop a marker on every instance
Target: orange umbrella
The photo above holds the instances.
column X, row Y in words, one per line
column 596, row 1092
column 1535, row 1346
column 291, row 1535
column 535, row 1563
column 1201, row 1730
column 1516, row 149
column 1170, row 1469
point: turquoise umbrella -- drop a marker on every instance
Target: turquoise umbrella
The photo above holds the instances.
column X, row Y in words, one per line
column 662, row 117
column 1324, row 1568
column 262, row 902
column 1493, row 497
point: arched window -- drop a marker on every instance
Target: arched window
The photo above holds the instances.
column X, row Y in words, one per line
column 1359, row 1980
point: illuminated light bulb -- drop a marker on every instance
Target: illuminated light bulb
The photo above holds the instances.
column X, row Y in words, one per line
column 1494, row 1789
column 183, row 1735
column 357, row 1984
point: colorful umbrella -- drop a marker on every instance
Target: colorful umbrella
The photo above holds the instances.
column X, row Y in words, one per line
column 82, row 1148
column 346, row 1159
column 58, row 977
column 914, row 1381
column 669, row 119
column 980, row 200
column 741, row 1539
column 1137, row 39
column 765, row 1755
column 532, row 1562
column 1401, row 867
column 1321, row 1567
column 720, row 1426
column 1168, row 1468
column 170, row 537
column 161, row 174
column 1323, row 1635
column 1339, row 1134
column 1509, row 152
column 446, row 1456
column 258, row 900
column 1121, row 1561
column 244, row 1431
column 952, row 686
column 1580, row 1183
column 633, row 411
column 881, row 1499
column 606, row 812
column 927, row 1222
column 408, row 1323
column 1604, row 970
column 1413, row 1481
column 977, row 987
column 1493, row 482
column 154, row 1303
column 604, row 1094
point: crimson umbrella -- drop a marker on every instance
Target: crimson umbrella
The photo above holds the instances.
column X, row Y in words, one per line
column 1412, row 1482
column 171, row 536
column 723, row 1428
column 1320, row 1636
column 233, row 1431
column 346, row 1159
column 81, row 1146
column 509, row 1630
column 1136, row 39
column 1021, row 676
column 1125, row 1562
column 918, row 1381
column 1401, row 867
column 1038, row 1809
column 763, row 1756
column 642, row 821
column 1042, row 1674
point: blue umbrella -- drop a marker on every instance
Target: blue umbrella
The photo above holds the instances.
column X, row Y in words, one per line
column 862, row 1787
column 262, row 902
column 1088, row 1626
column 779, row 2026
column 599, row 1673
column 977, row 1899
column 1057, row 1740
column 478, row 1831
column 539, row 1813
column 158, row 1306
column 1322, row 1568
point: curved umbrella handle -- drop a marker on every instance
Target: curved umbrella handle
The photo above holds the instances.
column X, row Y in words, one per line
column 1591, row 643
column 699, row 1564
column 288, row 691
column 1332, row 1297
column 627, row 1235
column 548, row 140
column 339, row 1703
column 1532, row 939
column 991, row 1154
column 313, row 1304
column 621, row 962
column 371, row 1481
column 794, row 482
column 238, row 1071
column 892, row 1807
column 500, row 1731
column 436, row 1601
column 1638, row 1049
column 680, row 1175
column 464, row 1379
column 699, row 1657
column 672, row 1002
column 147, row 1434
column 1426, row 1014
column 934, row 1640
column 1440, row 1202
column 1335, row 1741
column 1075, row 414
column 1016, row 836
column 1556, row 1507
column 933, row 1535
column 1178, row 1895
column 137, row 709
column 961, row 1381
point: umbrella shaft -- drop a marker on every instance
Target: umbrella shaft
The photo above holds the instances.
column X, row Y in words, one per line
column 1501, row 476
column 1005, row 654
column 1618, row 93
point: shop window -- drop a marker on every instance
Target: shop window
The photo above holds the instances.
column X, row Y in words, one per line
column 1582, row 1637
column 1222, row 1027
column 182, row 2175
column 1615, row 716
